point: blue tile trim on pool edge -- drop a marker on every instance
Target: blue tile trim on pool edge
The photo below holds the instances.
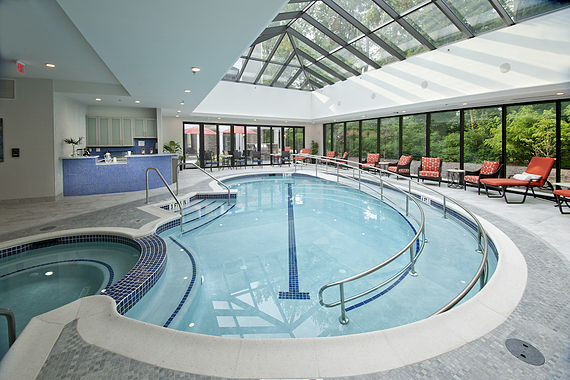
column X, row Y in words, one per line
column 190, row 286
column 136, row 283
column 111, row 272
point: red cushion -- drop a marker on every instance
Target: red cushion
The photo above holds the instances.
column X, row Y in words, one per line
column 330, row 153
column 372, row 158
column 562, row 193
column 404, row 171
column 507, row 182
column 472, row 178
column 489, row 167
column 430, row 164
column 404, row 160
column 427, row 173
column 392, row 168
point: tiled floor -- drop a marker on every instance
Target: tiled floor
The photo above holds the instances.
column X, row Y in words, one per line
column 542, row 318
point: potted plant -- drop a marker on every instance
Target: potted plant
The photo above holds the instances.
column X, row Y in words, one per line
column 73, row 143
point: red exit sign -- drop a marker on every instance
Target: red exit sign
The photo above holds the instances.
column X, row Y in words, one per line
column 21, row 67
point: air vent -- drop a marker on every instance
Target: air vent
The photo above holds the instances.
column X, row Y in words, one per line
column 7, row 89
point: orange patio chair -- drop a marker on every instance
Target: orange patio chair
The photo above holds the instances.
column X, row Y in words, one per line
column 330, row 154
column 535, row 175
column 490, row 169
column 302, row 158
column 430, row 168
column 371, row 161
column 562, row 196
column 401, row 167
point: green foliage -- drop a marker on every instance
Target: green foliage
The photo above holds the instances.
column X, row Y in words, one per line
column 72, row 141
column 314, row 147
column 173, row 148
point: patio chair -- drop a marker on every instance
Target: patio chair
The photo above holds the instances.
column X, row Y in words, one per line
column 285, row 158
column 490, row 169
column 371, row 161
column 256, row 157
column 239, row 160
column 209, row 162
column 330, row 154
column 301, row 158
column 535, row 175
column 562, row 196
column 430, row 168
column 401, row 167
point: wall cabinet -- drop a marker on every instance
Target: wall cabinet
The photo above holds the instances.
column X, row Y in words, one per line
column 116, row 131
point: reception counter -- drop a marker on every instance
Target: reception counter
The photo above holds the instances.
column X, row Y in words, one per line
column 87, row 176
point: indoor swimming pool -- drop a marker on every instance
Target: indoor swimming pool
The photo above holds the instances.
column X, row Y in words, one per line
column 256, row 268
column 51, row 275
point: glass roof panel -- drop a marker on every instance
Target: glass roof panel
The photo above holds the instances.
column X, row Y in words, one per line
column 283, row 51
column 323, row 73
column 288, row 73
column 263, row 49
column 278, row 23
column 333, row 21
column 270, row 71
column 520, row 10
column 401, row 6
column 294, row 7
column 307, row 49
column 400, row 39
column 251, row 71
column 373, row 51
column 333, row 66
column 479, row 15
column 314, row 35
column 233, row 73
column 434, row 25
column 301, row 79
column 351, row 60
column 365, row 11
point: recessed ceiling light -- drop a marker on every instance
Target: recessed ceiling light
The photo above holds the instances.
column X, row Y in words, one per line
column 48, row 273
column 182, row 103
column 178, row 111
column 50, row 65
column 177, row 115
column 187, row 90
column 403, row 111
column 464, row 104
column 254, row 119
column 137, row 101
column 559, row 93
column 195, row 69
column 98, row 99
column 219, row 118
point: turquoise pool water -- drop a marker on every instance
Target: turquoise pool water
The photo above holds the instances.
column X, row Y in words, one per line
column 264, row 261
column 44, row 279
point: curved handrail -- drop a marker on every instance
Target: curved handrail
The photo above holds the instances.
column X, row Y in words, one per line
column 11, row 320
column 214, row 178
column 169, row 189
column 479, row 274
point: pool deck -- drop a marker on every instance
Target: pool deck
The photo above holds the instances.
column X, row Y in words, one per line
column 542, row 317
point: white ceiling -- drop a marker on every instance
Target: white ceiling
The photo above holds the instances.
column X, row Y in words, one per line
column 127, row 50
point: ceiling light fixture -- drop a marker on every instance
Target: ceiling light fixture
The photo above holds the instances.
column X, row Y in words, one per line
column 178, row 111
column 559, row 93
column 195, row 70
column 137, row 101
column 464, row 104
column 182, row 103
column 177, row 115
column 98, row 99
column 187, row 90
column 50, row 65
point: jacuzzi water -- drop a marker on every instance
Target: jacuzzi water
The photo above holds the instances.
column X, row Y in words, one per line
column 253, row 289
column 44, row 279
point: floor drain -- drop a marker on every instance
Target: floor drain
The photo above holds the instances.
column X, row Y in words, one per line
column 525, row 351
column 48, row 228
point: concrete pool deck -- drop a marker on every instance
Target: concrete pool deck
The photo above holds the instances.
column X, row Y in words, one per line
column 541, row 318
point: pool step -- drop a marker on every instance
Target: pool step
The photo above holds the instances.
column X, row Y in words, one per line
column 205, row 215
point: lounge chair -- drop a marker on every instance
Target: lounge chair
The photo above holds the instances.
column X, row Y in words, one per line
column 371, row 161
column 330, row 154
column 303, row 158
column 430, row 168
column 401, row 167
column 535, row 175
column 562, row 196
column 490, row 169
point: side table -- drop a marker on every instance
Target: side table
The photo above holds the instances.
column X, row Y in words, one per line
column 455, row 178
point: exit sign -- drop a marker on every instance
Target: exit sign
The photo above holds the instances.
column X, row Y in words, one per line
column 21, row 67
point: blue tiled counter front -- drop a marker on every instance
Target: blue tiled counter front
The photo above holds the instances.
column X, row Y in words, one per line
column 85, row 176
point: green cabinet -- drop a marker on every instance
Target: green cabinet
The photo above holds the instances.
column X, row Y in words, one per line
column 145, row 128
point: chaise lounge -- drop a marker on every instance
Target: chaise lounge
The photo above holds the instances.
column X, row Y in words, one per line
column 562, row 196
column 535, row 175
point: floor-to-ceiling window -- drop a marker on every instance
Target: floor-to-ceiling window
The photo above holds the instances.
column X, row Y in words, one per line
column 352, row 141
column 191, row 146
column 250, row 143
column 389, row 138
column 369, row 137
column 266, row 141
column 565, row 142
column 482, row 136
column 444, row 138
column 338, row 138
column 414, row 139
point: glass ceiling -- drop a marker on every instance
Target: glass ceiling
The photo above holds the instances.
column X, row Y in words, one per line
column 312, row 44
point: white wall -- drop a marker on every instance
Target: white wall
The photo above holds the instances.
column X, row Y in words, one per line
column 69, row 121
column 172, row 130
column 29, row 126
column 121, row 111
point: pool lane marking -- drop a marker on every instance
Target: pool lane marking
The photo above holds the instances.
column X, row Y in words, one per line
column 293, row 293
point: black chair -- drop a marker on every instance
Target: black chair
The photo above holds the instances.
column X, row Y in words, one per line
column 209, row 162
column 239, row 160
column 286, row 158
column 256, row 157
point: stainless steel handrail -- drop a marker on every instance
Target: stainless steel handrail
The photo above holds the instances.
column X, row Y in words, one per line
column 11, row 320
column 169, row 189
column 214, row 178
column 481, row 273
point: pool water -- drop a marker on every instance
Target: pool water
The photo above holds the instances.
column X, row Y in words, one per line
column 44, row 279
column 263, row 263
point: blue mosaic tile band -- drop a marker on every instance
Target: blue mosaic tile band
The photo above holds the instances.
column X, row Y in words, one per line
column 293, row 293
column 136, row 283
column 392, row 286
column 111, row 272
column 190, row 286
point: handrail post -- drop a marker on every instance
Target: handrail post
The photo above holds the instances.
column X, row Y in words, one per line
column 343, row 318
column 381, row 189
column 11, row 320
column 479, row 236
column 359, row 182
column 171, row 193
column 413, row 267
column 444, row 207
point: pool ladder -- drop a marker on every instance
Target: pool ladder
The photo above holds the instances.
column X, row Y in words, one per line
column 11, row 320
column 169, row 189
